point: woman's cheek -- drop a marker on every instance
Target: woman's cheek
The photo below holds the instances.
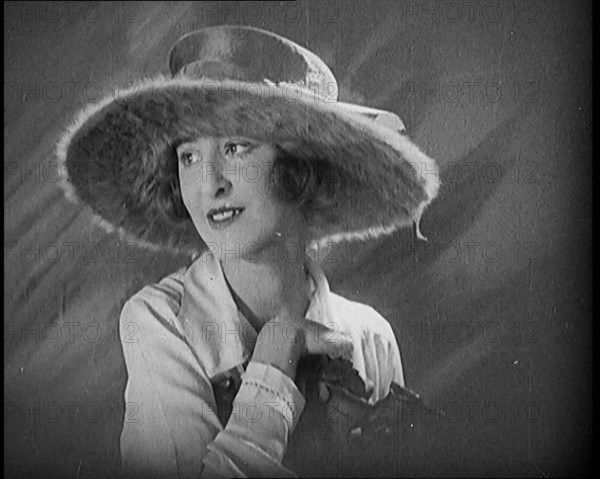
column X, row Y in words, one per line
column 188, row 193
column 195, row 210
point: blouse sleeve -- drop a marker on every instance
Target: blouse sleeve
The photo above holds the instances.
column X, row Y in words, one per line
column 171, row 428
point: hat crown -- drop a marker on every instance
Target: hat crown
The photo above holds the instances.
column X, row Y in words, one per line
column 251, row 55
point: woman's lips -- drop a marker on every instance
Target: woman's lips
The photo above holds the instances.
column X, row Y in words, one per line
column 219, row 218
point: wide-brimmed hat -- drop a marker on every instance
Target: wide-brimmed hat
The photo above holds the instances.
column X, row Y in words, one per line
column 242, row 81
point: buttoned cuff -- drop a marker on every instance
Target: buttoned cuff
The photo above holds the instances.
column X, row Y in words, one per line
column 266, row 410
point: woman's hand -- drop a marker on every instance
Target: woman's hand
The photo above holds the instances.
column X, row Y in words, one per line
column 282, row 342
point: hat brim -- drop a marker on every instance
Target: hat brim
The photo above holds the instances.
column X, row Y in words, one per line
column 388, row 180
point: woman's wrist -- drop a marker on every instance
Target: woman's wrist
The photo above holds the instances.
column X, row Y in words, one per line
column 285, row 363
column 281, row 351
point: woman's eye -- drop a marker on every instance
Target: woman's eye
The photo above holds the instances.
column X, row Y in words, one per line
column 187, row 158
column 237, row 149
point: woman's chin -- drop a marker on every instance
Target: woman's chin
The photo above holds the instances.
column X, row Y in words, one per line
column 233, row 247
column 264, row 248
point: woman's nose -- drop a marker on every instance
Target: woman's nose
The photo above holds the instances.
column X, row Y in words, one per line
column 222, row 186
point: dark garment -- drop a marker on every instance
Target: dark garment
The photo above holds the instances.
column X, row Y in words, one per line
column 339, row 434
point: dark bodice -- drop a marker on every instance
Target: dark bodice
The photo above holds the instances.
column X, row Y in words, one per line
column 339, row 434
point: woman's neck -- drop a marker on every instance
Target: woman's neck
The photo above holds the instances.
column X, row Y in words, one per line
column 271, row 288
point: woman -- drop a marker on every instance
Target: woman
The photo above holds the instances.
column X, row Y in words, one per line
column 245, row 160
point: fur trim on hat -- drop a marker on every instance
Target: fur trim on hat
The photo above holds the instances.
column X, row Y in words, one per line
column 387, row 181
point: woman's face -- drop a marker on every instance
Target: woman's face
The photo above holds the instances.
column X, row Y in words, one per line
column 226, row 190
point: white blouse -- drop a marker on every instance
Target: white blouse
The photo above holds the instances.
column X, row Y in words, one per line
column 189, row 334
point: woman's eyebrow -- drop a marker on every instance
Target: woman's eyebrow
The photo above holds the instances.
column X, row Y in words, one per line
column 238, row 139
column 184, row 145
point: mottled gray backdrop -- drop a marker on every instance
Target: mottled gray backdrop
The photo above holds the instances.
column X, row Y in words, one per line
column 492, row 315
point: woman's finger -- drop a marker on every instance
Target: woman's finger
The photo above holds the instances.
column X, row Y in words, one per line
column 321, row 339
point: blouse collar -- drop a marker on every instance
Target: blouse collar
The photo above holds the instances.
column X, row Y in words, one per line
column 216, row 330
